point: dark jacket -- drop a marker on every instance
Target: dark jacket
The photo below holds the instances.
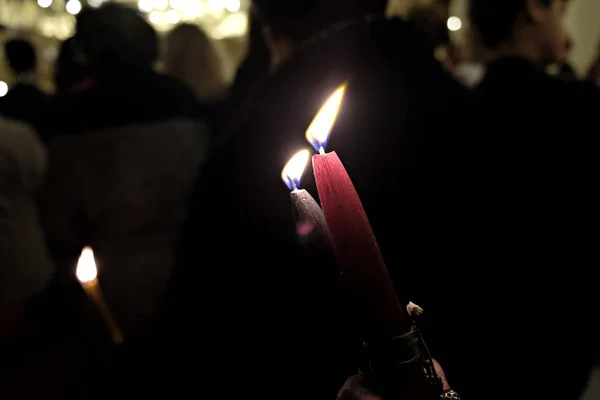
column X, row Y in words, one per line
column 24, row 102
column 524, row 237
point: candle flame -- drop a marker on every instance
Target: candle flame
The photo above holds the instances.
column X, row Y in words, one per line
column 293, row 170
column 86, row 266
column 320, row 127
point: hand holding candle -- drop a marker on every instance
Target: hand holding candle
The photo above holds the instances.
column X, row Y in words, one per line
column 87, row 275
column 310, row 221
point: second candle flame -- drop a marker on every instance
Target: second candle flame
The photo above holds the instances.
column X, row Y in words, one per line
column 320, row 127
column 293, row 170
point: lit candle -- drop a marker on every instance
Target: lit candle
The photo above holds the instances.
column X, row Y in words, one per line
column 310, row 221
column 87, row 274
column 358, row 256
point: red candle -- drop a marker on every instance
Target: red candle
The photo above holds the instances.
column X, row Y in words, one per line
column 356, row 248
column 357, row 251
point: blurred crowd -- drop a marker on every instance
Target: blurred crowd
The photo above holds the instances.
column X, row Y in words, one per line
column 171, row 176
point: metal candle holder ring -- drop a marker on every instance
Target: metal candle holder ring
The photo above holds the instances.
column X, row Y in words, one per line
column 434, row 379
column 404, row 351
column 450, row 395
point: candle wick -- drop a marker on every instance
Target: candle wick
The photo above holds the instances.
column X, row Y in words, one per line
column 321, row 150
column 292, row 183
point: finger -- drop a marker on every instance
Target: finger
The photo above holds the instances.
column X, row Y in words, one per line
column 440, row 371
column 354, row 389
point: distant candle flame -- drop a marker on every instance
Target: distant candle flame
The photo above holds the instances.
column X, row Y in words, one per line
column 320, row 127
column 86, row 266
column 293, row 170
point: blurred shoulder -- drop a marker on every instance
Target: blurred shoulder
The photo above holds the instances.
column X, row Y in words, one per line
column 18, row 136
column 10, row 127
column 143, row 99
column 174, row 87
column 577, row 101
column 588, row 91
column 21, row 149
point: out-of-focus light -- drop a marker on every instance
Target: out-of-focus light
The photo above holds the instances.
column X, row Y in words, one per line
column 454, row 24
column 73, row 7
column 172, row 17
column 193, row 9
column 216, row 5
column 161, row 4
column 233, row 25
column 95, row 3
column 156, row 17
column 3, row 88
column 178, row 4
column 232, row 5
column 44, row 3
column 145, row 5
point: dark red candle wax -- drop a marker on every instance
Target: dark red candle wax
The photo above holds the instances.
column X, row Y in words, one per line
column 356, row 248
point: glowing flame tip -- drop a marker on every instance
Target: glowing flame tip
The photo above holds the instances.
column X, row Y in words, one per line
column 318, row 131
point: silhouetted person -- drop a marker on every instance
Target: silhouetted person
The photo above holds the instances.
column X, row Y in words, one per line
column 256, row 64
column 197, row 60
column 250, row 75
column 123, row 158
column 430, row 20
column 241, row 268
column 24, row 101
column 533, row 157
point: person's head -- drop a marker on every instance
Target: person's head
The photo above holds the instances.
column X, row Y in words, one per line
column 20, row 56
column 257, row 42
column 298, row 20
column 70, row 70
column 197, row 60
column 115, row 36
column 532, row 28
column 430, row 20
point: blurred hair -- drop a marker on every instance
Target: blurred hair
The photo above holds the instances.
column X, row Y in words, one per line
column 289, row 18
column 69, row 70
column 20, row 55
column 494, row 20
column 116, row 36
column 198, row 61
